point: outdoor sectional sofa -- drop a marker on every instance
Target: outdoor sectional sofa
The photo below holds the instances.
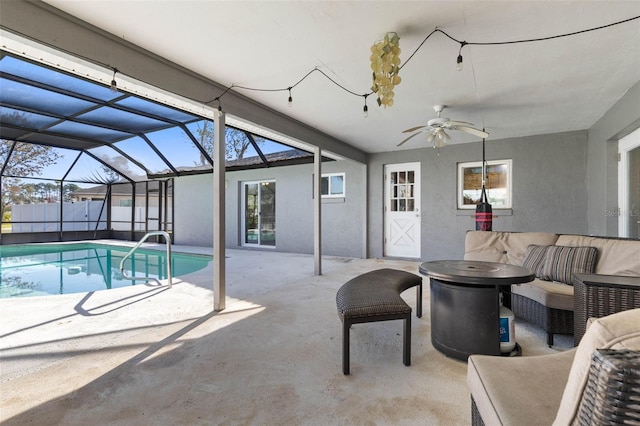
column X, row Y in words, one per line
column 548, row 300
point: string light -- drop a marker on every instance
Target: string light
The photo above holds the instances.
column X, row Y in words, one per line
column 388, row 100
column 365, row 110
column 459, row 61
column 114, row 85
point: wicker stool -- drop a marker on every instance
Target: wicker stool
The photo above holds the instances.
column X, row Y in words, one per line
column 375, row 296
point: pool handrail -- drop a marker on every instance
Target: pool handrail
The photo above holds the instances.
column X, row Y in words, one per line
column 167, row 240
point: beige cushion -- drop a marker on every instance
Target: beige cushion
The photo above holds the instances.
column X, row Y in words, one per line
column 615, row 257
column 503, row 247
column 616, row 331
column 518, row 390
column 548, row 293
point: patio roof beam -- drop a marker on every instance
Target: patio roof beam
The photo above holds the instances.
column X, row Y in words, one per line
column 128, row 157
column 257, row 148
column 75, row 161
column 104, row 163
column 200, row 148
column 6, row 160
column 159, row 154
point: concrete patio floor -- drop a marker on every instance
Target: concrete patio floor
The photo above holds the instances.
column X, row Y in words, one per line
column 149, row 355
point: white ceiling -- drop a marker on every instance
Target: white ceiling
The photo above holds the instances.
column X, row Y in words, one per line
column 511, row 90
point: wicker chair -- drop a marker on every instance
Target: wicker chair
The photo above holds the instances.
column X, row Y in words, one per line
column 596, row 383
column 612, row 393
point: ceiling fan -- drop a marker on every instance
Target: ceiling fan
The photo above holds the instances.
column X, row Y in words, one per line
column 436, row 128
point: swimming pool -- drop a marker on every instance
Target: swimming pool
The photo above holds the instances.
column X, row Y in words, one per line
column 46, row 269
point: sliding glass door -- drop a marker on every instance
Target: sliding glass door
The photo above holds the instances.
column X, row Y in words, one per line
column 259, row 210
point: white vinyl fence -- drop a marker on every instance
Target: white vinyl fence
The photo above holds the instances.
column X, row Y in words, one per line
column 78, row 216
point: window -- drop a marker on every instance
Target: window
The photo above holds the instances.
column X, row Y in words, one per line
column 497, row 184
column 332, row 185
column 126, row 203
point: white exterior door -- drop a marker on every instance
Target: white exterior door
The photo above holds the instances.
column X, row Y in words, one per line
column 629, row 186
column 402, row 210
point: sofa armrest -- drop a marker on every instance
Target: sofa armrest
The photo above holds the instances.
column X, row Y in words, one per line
column 596, row 296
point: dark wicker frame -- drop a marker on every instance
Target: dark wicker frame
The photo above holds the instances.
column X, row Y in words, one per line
column 612, row 394
column 553, row 321
column 476, row 418
column 596, row 296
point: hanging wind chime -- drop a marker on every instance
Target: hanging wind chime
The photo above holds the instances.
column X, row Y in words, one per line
column 484, row 214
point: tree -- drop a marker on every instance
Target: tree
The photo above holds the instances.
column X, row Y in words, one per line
column 22, row 160
column 67, row 190
column 237, row 141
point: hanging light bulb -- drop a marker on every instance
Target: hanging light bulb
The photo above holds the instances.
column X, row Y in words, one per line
column 114, row 85
column 459, row 60
column 365, row 109
column 290, row 102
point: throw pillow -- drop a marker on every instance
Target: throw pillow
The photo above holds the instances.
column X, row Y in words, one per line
column 561, row 262
column 534, row 259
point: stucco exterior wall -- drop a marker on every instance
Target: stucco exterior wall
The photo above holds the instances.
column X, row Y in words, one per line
column 619, row 121
column 563, row 182
column 549, row 190
column 343, row 219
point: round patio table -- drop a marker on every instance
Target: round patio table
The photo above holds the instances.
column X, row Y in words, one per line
column 465, row 304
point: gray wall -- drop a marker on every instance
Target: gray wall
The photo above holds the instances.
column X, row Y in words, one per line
column 549, row 190
column 619, row 121
column 193, row 211
column 343, row 220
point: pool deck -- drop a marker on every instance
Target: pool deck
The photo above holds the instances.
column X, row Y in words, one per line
column 153, row 355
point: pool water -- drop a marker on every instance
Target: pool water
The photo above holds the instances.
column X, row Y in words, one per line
column 45, row 269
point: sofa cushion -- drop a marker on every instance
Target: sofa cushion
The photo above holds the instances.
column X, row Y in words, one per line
column 534, row 259
column 615, row 256
column 503, row 247
column 548, row 293
column 561, row 262
column 616, row 331
column 518, row 390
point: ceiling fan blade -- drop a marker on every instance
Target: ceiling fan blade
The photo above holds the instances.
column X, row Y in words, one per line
column 476, row 132
column 415, row 134
column 458, row 123
column 412, row 129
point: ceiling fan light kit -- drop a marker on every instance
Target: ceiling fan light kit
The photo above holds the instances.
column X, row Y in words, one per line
column 436, row 129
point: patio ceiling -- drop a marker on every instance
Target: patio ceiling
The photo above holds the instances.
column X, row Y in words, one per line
column 92, row 127
column 512, row 90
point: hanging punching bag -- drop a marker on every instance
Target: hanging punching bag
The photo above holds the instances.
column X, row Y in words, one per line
column 484, row 215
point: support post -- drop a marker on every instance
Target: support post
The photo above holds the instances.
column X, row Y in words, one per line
column 219, row 270
column 317, row 210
